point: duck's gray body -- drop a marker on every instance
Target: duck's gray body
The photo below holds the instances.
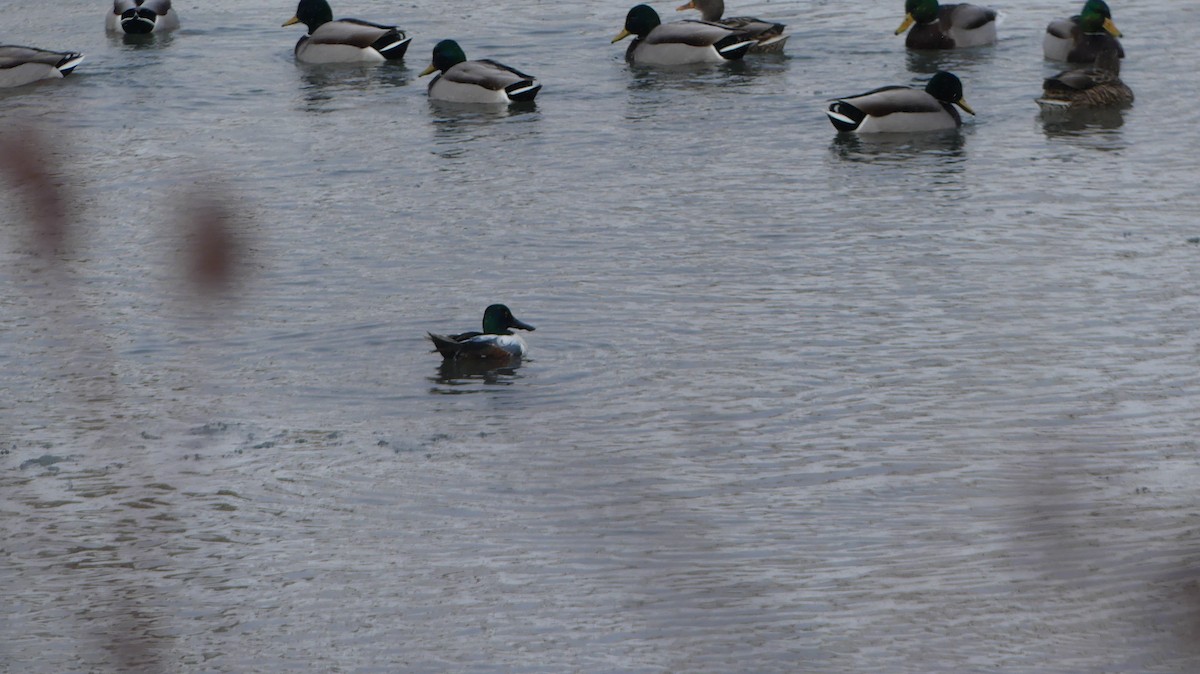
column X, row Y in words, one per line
column 23, row 65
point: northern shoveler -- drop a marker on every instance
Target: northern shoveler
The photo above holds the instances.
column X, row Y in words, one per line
column 344, row 40
column 496, row 342
column 482, row 81
column 947, row 26
column 902, row 109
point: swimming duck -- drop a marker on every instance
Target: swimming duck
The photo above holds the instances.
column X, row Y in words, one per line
column 902, row 109
column 947, row 26
column 138, row 17
column 768, row 36
column 680, row 42
column 1099, row 86
column 22, row 65
column 496, row 342
column 1081, row 38
column 483, row 81
column 344, row 40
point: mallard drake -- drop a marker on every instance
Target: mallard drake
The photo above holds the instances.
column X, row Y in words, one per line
column 680, row 42
column 138, row 17
column 947, row 26
column 1099, row 86
column 482, row 81
column 22, row 65
column 902, row 109
column 1081, row 38
column 344, row 40
column 496, row 342
column 769, row 37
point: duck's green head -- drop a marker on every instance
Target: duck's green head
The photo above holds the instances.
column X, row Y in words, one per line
column 639, row 21
column 1096, row 18
column 446, row 54
column 311, row 13
column 947, row 87
column 497, row 319
column 918, row 11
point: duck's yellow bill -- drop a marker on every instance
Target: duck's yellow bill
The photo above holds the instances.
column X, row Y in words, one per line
column 690, row 5
column 1111, row 28
column 428, row 71
column 904, row 25
column 963, row 104
column 294, row 19
column 624, row 34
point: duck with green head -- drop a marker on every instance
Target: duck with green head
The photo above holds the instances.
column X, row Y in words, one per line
column 1083, row 37
column 23, row 65
column 344, row 40
column 495, row 343
column 680, row 42
column 934, row 26
column 1099, row 86
column 897, row 109
column 769, row 37
column 481, row 81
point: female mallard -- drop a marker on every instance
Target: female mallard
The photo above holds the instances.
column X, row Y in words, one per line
column 496, row 342
column 483, row 81
column 947, row 26
column 768, row 36
column 22, row 65
column 680, row 42
column 902, row 109
column 344, row 40
column 1099, row 86
column 1081, row 38
column 138, row 17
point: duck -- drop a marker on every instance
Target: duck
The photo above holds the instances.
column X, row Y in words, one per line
column 954, row 26
column 1099, row 86
column 139, row 17
column 1081, row 38
column 495, row 343
column 680, row 42
column 482, row 81
column 769, row 36
column 344, row 40
column 902, row 109
column 23, row 65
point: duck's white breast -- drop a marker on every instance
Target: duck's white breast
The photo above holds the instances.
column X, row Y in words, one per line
column 674, row 54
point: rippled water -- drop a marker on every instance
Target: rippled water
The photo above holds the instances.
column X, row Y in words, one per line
column 795, row 402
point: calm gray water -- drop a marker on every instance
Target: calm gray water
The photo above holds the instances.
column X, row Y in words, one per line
column 796, row 403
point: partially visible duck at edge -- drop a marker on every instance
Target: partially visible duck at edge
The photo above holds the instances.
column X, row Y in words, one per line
column 495, row 343
column 23, row 65
column 934, row 26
